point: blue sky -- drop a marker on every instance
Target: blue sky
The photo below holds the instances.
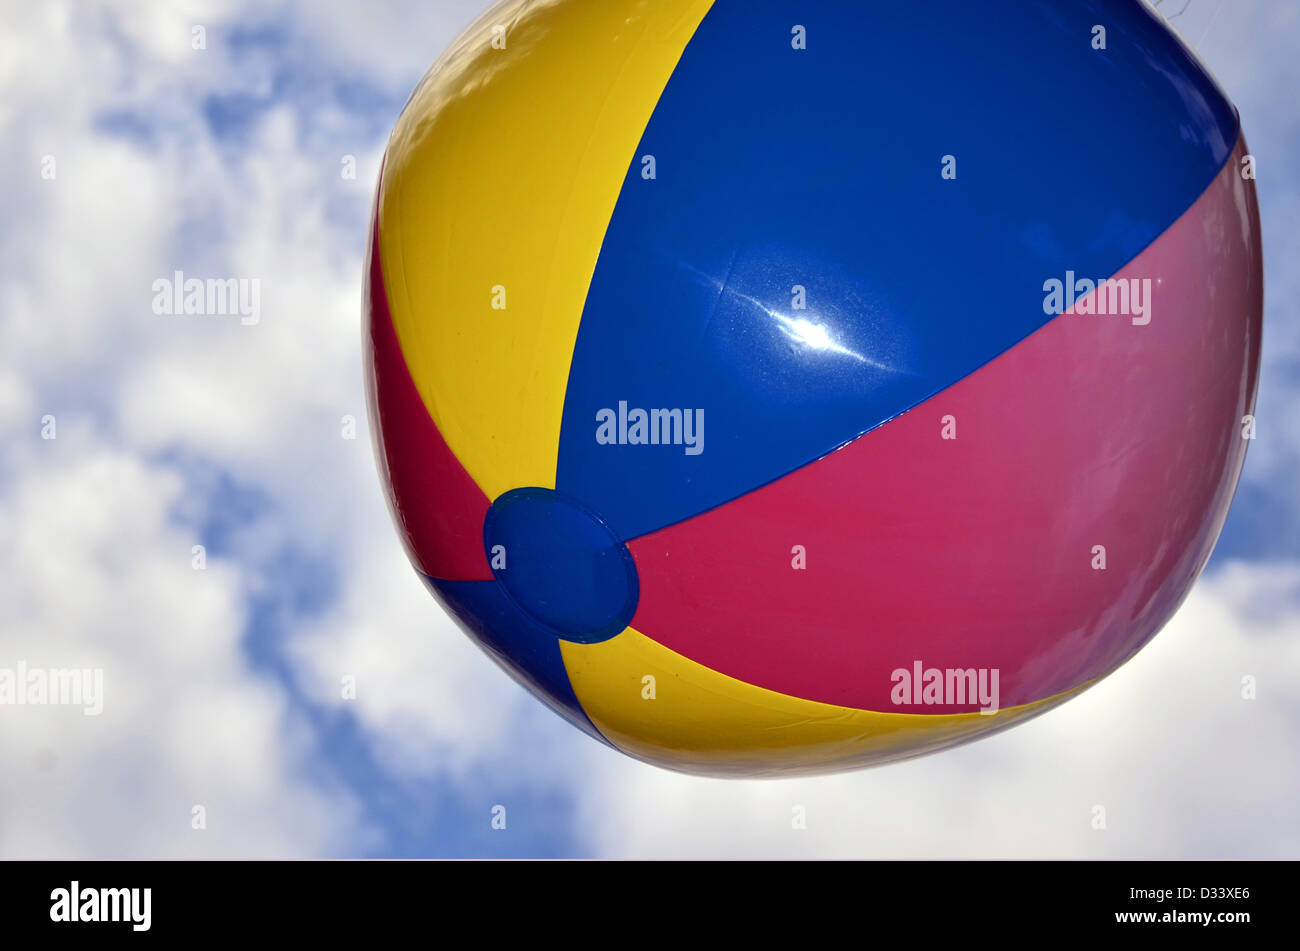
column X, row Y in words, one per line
column 222, row 685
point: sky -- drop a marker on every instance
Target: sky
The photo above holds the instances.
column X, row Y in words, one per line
column 128, row 154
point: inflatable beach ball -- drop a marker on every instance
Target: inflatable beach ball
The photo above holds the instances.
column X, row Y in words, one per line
column 774, row 387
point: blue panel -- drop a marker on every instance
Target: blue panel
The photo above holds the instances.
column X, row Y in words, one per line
column 821, row 168
column 523, row 648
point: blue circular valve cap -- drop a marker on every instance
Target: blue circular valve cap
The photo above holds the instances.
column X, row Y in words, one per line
column 561, row 563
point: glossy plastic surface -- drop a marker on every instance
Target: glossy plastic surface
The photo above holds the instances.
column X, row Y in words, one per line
column 630, row 206
column 978, row 551
column 799, row 268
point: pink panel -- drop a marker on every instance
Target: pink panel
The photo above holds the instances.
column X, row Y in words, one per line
column 978, row 551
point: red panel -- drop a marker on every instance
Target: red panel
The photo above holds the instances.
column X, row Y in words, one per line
column 437, row 507
column 977, row 552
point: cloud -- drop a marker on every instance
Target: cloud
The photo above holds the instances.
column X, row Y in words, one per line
column 94, row 574
column 99, row 522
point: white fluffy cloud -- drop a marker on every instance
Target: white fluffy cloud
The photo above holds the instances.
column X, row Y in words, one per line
column 96, row 576
column 96, row 569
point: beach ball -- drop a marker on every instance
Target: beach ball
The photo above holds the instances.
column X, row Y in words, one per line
column 777, row 388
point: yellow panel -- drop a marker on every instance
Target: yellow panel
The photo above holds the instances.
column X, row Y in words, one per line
column 705, row 722
column 503, row 171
